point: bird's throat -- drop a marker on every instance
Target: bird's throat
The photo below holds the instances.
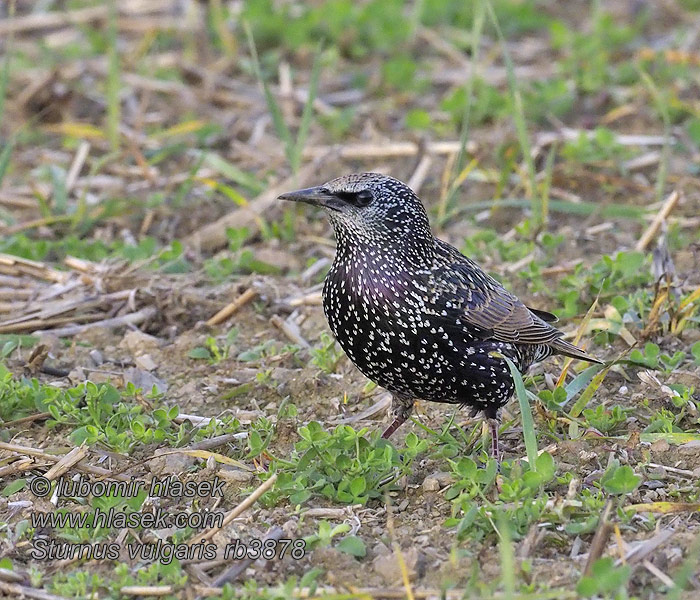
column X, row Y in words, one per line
column 380, row 250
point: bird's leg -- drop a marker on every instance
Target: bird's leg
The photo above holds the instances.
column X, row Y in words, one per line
column 493, row 425
column 401, row 409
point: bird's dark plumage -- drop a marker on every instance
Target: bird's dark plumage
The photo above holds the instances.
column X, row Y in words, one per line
column 414, row 314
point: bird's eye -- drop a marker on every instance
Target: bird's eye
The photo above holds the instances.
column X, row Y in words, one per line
column 359, row 199
column 363, row 198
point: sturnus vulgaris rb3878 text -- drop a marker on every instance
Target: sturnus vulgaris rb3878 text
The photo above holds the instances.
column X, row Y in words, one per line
column 414, row 314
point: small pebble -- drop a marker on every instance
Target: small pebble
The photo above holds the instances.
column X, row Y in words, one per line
column 236, row 475
column 96, row 357
column 660, row 446
column 431, row 484
column 145, row 362
column 437, row 480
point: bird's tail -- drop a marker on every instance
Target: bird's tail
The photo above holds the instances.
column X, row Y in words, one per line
column 563, row 347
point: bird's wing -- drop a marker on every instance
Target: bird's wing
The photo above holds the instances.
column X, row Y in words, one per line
column 480, row 301
column 544, row 315
column 460, row 291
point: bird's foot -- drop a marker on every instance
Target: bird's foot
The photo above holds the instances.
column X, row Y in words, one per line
column 401, row 409
column 395, row 424
column 495, row 450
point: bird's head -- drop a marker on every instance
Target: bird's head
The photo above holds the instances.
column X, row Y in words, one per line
column 371, row 206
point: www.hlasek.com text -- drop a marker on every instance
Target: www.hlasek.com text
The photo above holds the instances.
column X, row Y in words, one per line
column 100, row 519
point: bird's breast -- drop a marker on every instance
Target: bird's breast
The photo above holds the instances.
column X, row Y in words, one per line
column 376, row 318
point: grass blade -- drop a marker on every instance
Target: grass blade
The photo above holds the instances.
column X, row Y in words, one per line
column 505, row 547
column 661, row 104
column 113, row 79
column 224, row 189
column 5, row 74
column 184, row 188
column 518, row 117
column 182, row 128
column 587, row 394
column 77, row 129
column 525, row 413
column 612, row 211
column 232, row 172
column 59, row 193
column 458, row 166
column 543, row 215
column 305, row 124
column 581, row 381
column 676, row 438
column 465, row 172
column 5, row 155
column 281, row 127
column 577, row 338
column 218, row 20
column 4, row 78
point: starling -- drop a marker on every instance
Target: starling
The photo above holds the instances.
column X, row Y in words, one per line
column 415, row 315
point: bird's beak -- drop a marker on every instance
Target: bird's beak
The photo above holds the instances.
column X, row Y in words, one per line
column 317, row 196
